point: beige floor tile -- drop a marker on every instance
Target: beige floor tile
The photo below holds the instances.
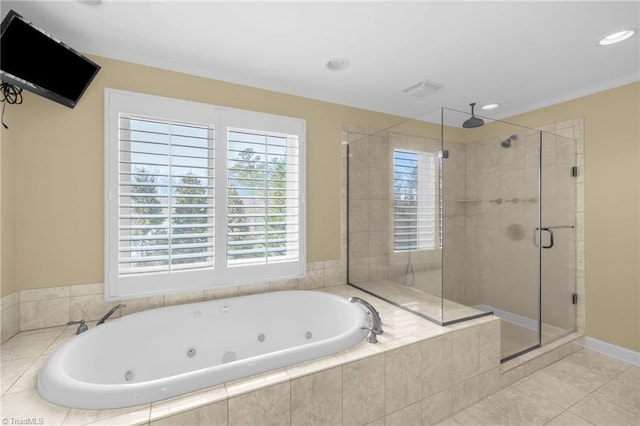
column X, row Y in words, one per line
column 577, row 375
column 408, row 416
column 436, row 407
column 519, row 402
column 601, row 412
column 487, row 413
column 630, row 377
column 546, row 386
column 568, row 419
column 28, row 404
column 378, row 422
column 449, row 422
column 599, row 363
column 619, row 392
column 12, row 371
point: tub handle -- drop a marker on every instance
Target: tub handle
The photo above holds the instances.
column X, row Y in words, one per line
column 82, row 327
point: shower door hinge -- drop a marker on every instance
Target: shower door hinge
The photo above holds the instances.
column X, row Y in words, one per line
column 574, row 298
column 444, row 153
column 574, row 171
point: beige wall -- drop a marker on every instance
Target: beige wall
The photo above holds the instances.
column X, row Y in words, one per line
column 52, row 167
column 612, row 208
column 7, row 210
column 52, row 183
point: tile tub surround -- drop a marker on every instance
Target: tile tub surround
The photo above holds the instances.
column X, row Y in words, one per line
column 34, row 309
column 418, row 373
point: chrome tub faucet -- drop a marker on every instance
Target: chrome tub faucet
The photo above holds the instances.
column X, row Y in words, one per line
column 111, row 311
column 82, row 326
column 376, row 321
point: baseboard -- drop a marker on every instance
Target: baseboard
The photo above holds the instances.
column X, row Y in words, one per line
column 614, row 351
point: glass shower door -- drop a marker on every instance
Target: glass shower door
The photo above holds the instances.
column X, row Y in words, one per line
column 558, row 286
column 491, row 221
column 516, row 255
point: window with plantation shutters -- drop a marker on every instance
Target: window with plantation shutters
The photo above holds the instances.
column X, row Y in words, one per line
column 198, row 196
column 414, row 201
column 263, row 197
column 166, row 203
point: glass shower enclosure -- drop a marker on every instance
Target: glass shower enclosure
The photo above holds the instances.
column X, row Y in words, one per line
column 454, row 223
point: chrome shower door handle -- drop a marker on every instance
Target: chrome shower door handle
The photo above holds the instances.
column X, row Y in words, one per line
column 550, row 231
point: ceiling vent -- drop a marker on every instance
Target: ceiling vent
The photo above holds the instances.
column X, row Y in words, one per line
column 422, row 89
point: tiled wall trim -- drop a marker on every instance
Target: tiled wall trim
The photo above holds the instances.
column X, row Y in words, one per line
column 48, row 307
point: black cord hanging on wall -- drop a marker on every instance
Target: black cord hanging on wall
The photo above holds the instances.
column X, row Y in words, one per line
column 9, row 94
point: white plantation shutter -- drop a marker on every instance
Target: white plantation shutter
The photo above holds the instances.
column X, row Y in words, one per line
column 263, row 198
column 197, row 196
column 166, row 203
column 415, row 201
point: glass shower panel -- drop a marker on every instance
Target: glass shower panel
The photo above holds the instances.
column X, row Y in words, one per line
column 393, row 217
column 454, row 222
column 559, row 157
column 491, row 216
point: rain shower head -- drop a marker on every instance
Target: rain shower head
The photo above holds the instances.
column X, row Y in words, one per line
column 473, row 121
column 507, row 142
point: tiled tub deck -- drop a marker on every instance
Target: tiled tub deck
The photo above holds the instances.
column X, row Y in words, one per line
column 418, row 373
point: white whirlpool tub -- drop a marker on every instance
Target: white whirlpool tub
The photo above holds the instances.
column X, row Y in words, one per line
column 164, row 352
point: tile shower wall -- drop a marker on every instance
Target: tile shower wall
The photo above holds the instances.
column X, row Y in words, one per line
column 502, row 213
column 369, row 186
column 371, row 254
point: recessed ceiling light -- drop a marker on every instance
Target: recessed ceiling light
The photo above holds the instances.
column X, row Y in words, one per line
column 616, row 37
column 338, row 64
column 488, row 107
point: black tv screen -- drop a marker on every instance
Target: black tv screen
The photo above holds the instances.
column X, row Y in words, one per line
column 33, row 60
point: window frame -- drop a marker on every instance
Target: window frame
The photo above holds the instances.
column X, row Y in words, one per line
column 221, row 119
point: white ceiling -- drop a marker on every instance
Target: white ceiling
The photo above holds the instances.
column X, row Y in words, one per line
column 522, row 55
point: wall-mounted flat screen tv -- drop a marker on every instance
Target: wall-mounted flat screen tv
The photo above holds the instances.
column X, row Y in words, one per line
column 32, row 59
